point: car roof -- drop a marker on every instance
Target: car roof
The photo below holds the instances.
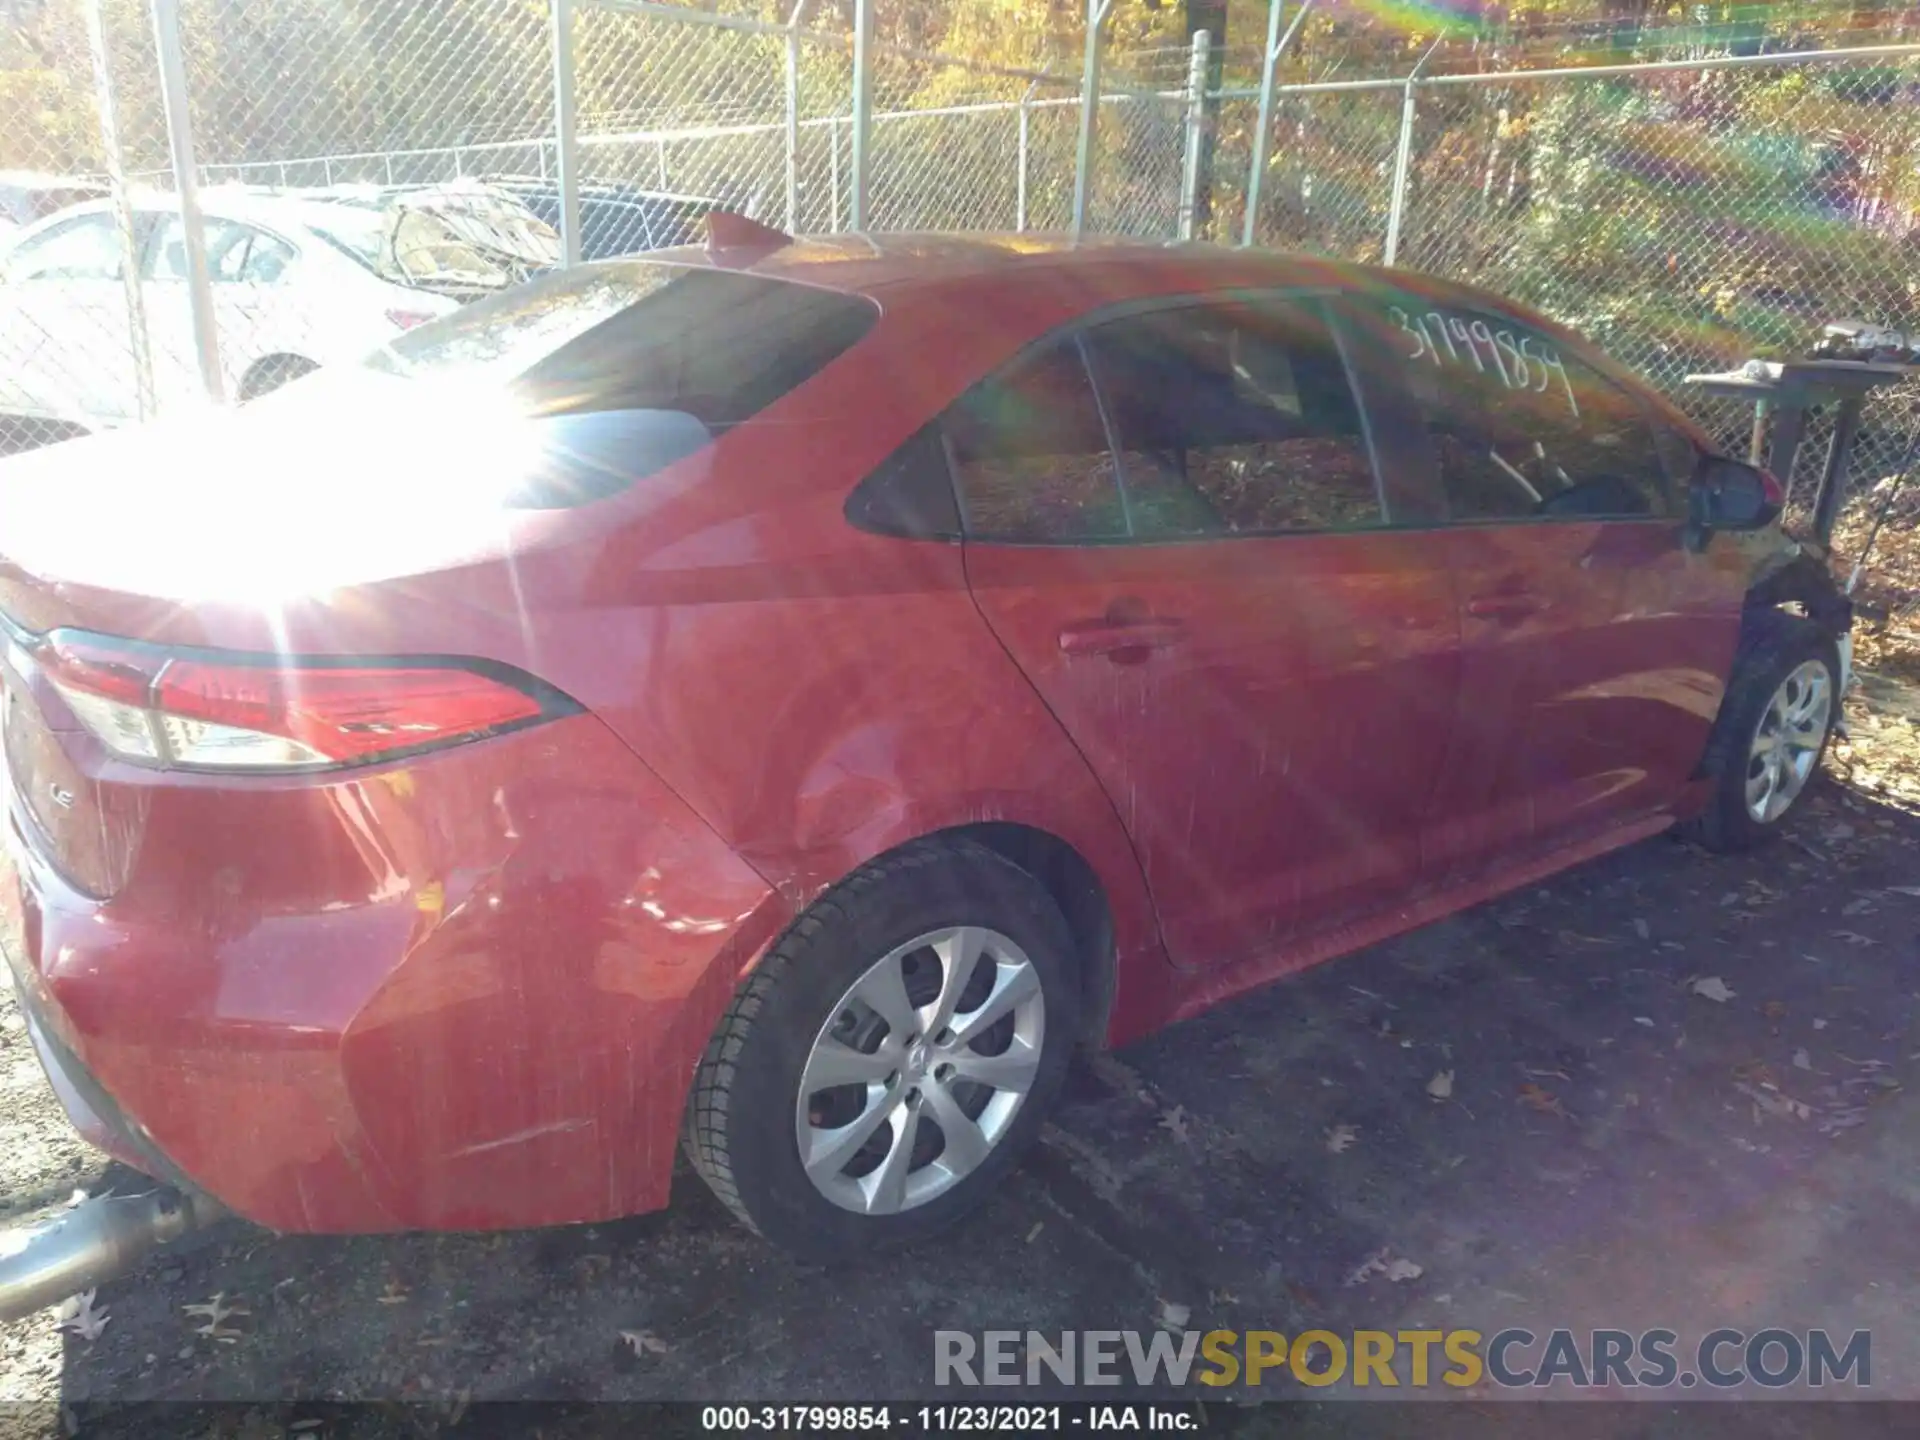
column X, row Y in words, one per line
column 868, row 263
column 218, row 201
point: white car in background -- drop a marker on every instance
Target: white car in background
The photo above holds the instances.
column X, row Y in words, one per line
column 300, row 279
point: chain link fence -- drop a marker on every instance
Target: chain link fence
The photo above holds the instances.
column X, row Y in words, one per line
column 61, row 154
column 352, row 157
column 1685, row 219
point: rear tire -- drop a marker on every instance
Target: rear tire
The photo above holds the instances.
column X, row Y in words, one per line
column 270, row 374
column 1778, row 713
column 972, row 959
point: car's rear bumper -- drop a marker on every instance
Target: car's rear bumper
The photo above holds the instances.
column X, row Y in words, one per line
column 94, row 1113
column 490, row 1023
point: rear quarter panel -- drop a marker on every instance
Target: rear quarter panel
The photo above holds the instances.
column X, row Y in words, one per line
column 817, row 695
column 820, row 695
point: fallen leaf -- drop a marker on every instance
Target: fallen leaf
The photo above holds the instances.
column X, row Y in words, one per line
column 1713, row 988
column 1844, row 1118
column 1905, row 889
column 1374, row 1264
column 1802, row 1060
column 216, row 1312
column 1819, row 1024
column 1545, row 1101
column 1775, row 1103
column 1032, row 1234
column 1173, row 1317
column 1175, row 1122
column 1642, row 929
column 644, row 1342
column 1853, row 937
column 1440, row 1087
column 1383, row 1262
column 1774, row 1010
column 1340, row 1138
column 1857, row 907
column 394, row 1294
column 1646, row 1020
column 84, row 1320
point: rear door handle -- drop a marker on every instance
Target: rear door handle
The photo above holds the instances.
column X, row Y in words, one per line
column 1504, row 605
column 1107, row 637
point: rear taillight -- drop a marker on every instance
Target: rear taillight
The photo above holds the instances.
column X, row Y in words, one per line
column 1775, row 492
column 205, row 710
column 407, row 319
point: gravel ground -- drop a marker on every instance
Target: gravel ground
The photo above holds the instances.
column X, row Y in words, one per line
column 1615, row 1147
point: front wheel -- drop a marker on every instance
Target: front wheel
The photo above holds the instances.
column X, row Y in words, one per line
column 890, row 1058
column 1779, row 710
column 272, row 373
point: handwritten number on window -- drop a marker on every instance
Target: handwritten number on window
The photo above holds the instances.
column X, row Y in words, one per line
column 1522, row 362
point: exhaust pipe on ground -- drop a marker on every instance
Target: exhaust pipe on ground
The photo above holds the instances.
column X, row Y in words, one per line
column 92, row 1243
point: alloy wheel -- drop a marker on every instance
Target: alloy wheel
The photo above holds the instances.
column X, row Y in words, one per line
column 1786, row 742
column 920, row 1069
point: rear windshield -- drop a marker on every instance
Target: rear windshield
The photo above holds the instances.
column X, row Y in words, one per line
column 636, row 364
column 624, row 335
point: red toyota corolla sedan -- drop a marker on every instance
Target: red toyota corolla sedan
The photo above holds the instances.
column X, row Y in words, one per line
column 782, row 698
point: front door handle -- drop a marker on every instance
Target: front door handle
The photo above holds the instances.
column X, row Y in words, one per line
column 1506, row 607
column 1115, row 637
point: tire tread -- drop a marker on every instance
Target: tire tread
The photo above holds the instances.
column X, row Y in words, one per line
column 1775, row 643
column 706, row 1134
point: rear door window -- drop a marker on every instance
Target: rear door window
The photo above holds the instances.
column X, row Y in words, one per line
column 1030, row 454
column 1234, row 419
column 234, row 252
column 86, row 248
column 1185, row 422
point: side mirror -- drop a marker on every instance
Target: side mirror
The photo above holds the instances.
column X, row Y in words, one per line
column 1729, row 494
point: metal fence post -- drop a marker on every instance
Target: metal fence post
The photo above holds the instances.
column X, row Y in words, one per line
column 793, row 116
column 565, row 162
column 122, row 211
column 833, row 170
column 862, row 109
column 1397, row 206
column 1263, row 132
column 1020, row 176
column 1089, row 107
column 186, row 185
column 1196, row 133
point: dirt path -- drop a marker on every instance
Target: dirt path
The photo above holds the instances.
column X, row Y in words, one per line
column 1613, row 1139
